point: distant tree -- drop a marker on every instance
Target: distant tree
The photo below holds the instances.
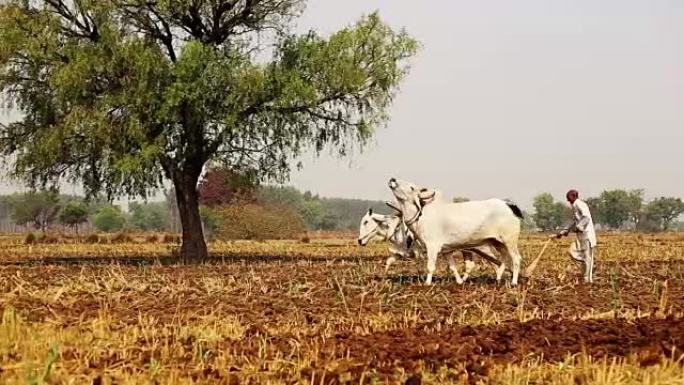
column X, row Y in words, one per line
column 5, row 207
column 149, row 216
column 635, row 203
column 528, row 222
column 330, row 221
column 74, row 213
column 109, row 218
column 39, row 208
column 221, row 186
column 615, row 208
column 460, row 199
column 281, row 195
column 211, row 220
column 312, row 212
column 665, row 210
column 549, row 214
column 594, row 204
column 320, row 213
column 172, row 207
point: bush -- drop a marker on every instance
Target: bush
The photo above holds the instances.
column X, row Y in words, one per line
column 259, row 222
column 49, row 239
column 109, row 218
column 152, row 238
column 30, row 239
column 171, row 238
column 92, row 238
column 121, row 237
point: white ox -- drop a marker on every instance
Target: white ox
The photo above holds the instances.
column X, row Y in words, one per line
column 442, row 226
column 401, row 242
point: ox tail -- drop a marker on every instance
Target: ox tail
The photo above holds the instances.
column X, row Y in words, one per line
column 516, row 210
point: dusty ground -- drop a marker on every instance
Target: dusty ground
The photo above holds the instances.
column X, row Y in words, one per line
column 285, row 312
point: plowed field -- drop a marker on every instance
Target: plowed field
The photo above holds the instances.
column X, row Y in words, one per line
column 325, row 313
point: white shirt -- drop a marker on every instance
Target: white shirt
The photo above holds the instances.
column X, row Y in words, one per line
column 583, row 222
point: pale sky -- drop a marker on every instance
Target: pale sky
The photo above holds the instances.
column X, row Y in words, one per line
column 512, row 98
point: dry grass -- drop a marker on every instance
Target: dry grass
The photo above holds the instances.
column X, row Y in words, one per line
column 287, row 312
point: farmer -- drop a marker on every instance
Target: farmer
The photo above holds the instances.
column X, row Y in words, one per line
column 583, row 248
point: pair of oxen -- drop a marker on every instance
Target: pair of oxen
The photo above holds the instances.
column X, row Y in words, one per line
column 427, row 223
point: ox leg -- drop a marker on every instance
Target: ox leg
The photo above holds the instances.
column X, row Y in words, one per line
column 431, row 264
column 389, row 263
column 500, row 272
column 469, row 264
column 510, row 250
column 454, row 268
column 515, row 262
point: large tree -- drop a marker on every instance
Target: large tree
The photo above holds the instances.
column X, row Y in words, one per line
column 119, row 95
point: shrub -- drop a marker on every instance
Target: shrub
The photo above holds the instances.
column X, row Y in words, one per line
column 49, row 239
column 109, row 218
column 121, row 237
column 171, row 238
column 258, row 222
column 30, row 239
column 152, row 238
column 92, row 238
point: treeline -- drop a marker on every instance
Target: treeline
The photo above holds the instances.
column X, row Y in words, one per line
column 233, row 207
column 44, row 210
column 616, row 210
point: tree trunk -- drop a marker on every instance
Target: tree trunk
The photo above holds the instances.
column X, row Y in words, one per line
column 193, row 248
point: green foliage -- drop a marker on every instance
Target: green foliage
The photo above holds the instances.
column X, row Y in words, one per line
column 615, row 208
column 320, row 213
column 109, row 219
column 211, row 220
column 663, row 211
column 74, row 213
column 39, row 209
column 149, row 216
column 549, row 214
column 118, row 95
column 528, row 223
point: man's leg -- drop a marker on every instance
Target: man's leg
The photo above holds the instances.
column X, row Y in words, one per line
column 588, row 263
column 577, row 255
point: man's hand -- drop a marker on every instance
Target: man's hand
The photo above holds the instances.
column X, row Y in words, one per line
column 561, row 234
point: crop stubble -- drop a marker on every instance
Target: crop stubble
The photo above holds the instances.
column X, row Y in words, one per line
column 284, row 312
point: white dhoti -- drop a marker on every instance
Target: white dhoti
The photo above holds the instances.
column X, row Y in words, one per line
column 582, row 252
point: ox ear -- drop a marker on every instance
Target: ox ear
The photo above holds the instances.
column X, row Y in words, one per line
column 393, row 207
column 370, row 211
column 426, row 194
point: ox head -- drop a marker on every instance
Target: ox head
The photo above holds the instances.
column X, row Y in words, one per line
column 410, row 198
column 375, row 224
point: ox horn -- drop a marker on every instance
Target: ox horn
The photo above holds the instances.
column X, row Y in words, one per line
column 393, row 206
